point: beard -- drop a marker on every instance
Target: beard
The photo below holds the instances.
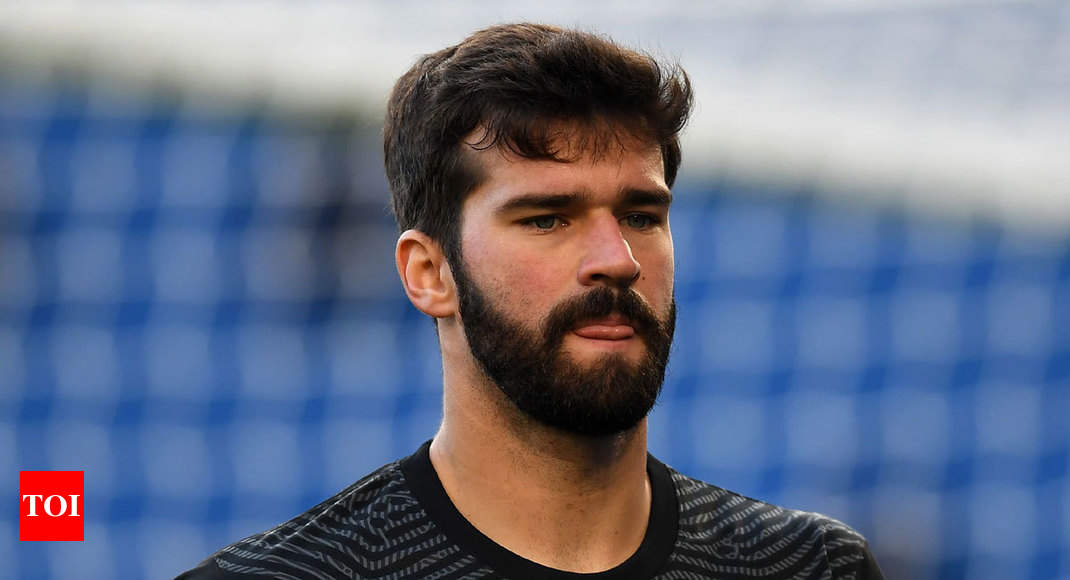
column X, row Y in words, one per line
column 607, row 396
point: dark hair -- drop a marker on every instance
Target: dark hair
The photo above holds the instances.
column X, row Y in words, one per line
column 523, row 84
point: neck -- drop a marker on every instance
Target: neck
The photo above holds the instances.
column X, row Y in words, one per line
column 566, row 501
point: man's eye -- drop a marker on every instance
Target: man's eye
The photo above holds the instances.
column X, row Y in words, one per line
column 639, row 221
column 545, row 222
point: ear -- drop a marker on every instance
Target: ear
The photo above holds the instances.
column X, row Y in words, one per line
column 425, row 274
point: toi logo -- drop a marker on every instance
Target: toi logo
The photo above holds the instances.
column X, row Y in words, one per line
column 50, row 506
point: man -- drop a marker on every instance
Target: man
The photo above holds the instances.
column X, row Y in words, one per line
column 530, row 169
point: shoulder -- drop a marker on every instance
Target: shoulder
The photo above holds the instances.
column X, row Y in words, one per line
column 735, row 530
column 355, row 525
column 206, row 570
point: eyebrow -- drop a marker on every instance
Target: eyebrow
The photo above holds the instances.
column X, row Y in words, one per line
column 662, row 197
column 542, row 201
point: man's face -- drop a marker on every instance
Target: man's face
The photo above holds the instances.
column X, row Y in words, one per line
column 566, row 284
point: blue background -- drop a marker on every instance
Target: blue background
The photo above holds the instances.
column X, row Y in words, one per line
column 200, row 310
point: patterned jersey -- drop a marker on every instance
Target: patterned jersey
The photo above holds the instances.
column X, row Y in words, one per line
column 398, row 523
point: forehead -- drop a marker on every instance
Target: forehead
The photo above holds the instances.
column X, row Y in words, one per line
column 585, row 163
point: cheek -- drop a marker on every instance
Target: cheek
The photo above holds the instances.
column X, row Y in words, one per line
column 528, row 281
column 656, row 275
column 522, row 283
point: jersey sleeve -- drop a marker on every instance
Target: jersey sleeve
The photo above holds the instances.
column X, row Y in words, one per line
column 206, row 570
column 849, row 555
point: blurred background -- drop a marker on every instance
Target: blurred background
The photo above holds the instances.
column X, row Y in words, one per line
column 199, row 308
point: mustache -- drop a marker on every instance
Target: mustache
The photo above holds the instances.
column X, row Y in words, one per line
column 598, row 303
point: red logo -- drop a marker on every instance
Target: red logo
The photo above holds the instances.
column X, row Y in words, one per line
column 50, row 506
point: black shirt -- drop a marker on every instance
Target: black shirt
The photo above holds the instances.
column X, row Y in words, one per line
column 398, row 523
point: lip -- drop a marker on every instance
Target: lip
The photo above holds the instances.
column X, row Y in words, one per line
column 608, row 328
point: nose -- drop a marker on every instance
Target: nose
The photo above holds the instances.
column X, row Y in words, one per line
column 607, row 256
